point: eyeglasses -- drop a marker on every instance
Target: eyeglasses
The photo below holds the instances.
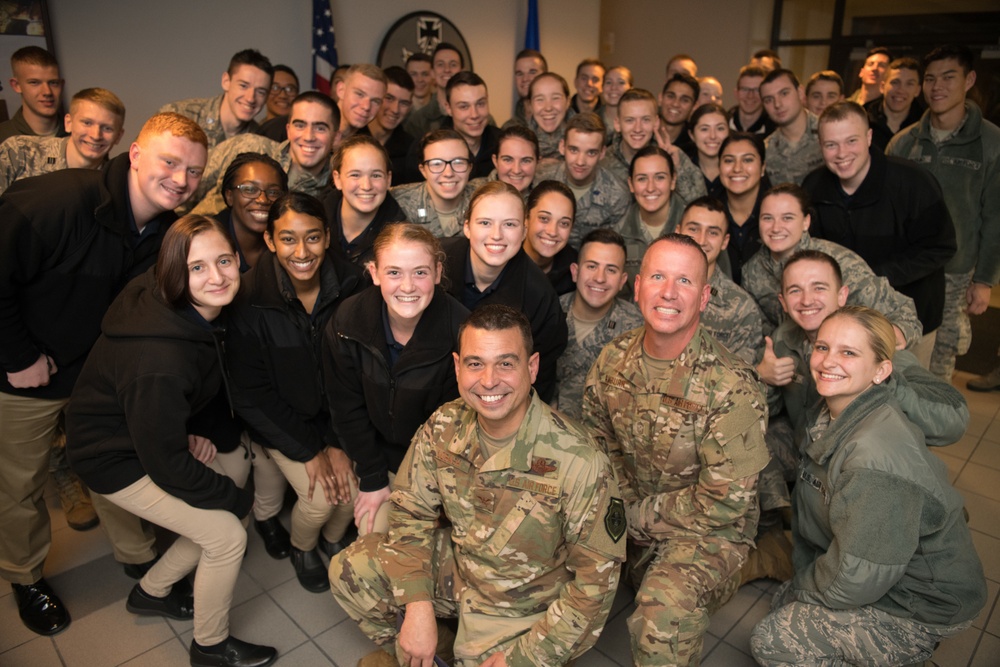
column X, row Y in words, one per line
column 459, row 165
column 251, row 191
column 290, row 89
column 748, row 91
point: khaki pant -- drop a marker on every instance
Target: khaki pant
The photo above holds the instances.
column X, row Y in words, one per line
column 381, row 524
column 268, row 483
column 27, row 426
column 211, row 540
column 310, row 517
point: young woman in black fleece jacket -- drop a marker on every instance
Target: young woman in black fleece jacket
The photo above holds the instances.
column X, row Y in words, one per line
column 158, row 363
column 389, row 361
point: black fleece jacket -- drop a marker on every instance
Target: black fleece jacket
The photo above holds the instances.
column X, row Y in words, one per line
column 152, row 369
column 378, row 408
column 66, row 249
column 273, row 348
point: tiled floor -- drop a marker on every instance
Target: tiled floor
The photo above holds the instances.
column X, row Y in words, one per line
column 270, row 607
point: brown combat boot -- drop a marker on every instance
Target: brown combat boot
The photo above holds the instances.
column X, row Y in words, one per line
column 73, row 496
column 987, row 382
column 378, row 658
column 772, row 559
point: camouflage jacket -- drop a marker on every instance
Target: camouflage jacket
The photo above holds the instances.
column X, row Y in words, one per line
column 577, row 358
column 762, row 278
column 536, row 528
column 734, row 318
column 637, row 239
column 791, row 164
column 686, row 447
column 601, row 206
column 208, row 198
column 425, row 119
column 24, row 156
column 206, row 112
column 690, row 181
column 416, row 202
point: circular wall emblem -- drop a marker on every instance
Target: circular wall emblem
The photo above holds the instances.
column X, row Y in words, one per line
column 420, row 32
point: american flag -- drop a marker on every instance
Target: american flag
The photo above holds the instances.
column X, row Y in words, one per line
column 324, row 47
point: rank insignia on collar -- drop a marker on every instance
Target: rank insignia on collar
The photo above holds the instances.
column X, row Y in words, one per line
column 614, row 520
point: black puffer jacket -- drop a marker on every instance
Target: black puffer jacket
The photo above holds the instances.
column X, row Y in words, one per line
column 273, row 348
column 377, row 409
column 149, row 372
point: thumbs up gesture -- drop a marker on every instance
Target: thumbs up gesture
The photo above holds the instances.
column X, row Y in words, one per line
column 774, row 370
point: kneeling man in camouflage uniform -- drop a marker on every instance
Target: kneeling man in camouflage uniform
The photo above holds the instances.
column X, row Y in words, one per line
column 530, row 561
column 682, row 420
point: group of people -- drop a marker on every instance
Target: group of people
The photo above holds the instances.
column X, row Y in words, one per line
column 499, row 367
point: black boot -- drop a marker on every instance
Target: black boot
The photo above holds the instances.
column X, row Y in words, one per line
column 310, row 570
column 276, row 540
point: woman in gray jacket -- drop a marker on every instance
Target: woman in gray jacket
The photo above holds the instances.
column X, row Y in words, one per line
column 884, row 563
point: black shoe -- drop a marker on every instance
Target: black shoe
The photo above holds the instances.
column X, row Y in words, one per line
column 40, row 609
column 235, row 653
column 175, row 605
column 310, row 570
column 139, row 570
column 276, row 540
column 331, row 549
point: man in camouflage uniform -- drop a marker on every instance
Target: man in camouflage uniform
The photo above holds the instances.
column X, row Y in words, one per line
column 95, row 124
column 762, row 279
column 531, row 560
column 731, row 316
column 439, row 202
column 682, row 420
column 961, row 149
column 245, row 87
column 601, row 199
column 793, row 149
column 594, row 314
column 635, row 128
column 446, row 61
column 305, row 155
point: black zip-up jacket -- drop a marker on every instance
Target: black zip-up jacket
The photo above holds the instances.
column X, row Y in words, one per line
column 149, row 372
column 65, row 253
column 378, row 408
column 897, row 221
column 524, row 287
column 273, row 349
column 360, row 251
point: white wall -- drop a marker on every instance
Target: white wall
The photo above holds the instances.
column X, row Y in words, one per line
column 150, row 54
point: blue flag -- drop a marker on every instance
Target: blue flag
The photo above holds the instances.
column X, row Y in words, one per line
column 531, row 39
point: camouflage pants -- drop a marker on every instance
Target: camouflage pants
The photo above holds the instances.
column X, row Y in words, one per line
column 360, row 585
column 679, row 583
column 799, row 633
column 955, row 333
column 772, row 483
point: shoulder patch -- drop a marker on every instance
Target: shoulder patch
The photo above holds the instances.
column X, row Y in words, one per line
column 614, row 520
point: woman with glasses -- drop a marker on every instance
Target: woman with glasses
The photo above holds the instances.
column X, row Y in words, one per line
column 439, row 203
column 251, row 183
column 276, row 373
column 359, row 205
